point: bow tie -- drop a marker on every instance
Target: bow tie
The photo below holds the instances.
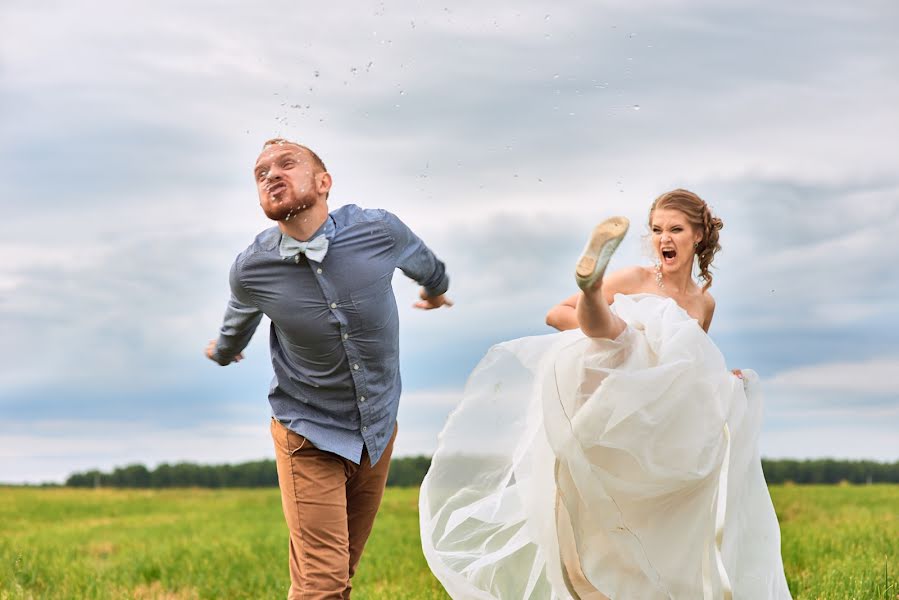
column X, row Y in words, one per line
column 315, row 249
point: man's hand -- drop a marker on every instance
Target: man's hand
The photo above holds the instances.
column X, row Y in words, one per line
column 210, row 352
column 738, row 373
column 432, row 302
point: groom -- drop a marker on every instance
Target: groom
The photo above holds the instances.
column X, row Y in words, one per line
column 324, row 280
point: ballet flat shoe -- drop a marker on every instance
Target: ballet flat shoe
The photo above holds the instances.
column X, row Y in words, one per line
column 599, row 249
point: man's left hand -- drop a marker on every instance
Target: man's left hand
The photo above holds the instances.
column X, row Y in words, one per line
column 210, row 353
column 432, row 302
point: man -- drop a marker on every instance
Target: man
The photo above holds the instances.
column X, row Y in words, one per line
column 324, row 280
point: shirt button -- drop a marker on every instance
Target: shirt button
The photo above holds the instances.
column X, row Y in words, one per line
column 356, row 366
column 361, row 398
column 364, row 428
column 346, row 335
column 333, row 305
column 296, row 258
column 319, row 271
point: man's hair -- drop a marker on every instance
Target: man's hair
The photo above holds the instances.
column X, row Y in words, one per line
column 281, row 141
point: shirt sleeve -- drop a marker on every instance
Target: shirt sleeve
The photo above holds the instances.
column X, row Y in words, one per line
column 415, row 259
column 242, row 317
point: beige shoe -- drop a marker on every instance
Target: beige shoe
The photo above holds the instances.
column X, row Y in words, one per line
column 599, row 249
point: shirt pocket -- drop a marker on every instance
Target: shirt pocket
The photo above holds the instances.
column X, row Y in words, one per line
column 374, row 307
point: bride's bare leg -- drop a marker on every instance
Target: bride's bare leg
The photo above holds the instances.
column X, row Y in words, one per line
column 593, row 312
column 596, row 318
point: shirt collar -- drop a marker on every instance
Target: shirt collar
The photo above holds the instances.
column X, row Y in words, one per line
column 329, row 228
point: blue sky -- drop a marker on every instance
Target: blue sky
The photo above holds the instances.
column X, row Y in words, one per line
column 500, row 132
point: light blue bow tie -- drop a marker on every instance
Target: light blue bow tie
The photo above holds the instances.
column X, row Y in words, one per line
column 315, row 249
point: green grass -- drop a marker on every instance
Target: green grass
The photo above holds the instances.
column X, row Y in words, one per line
column 838, row 543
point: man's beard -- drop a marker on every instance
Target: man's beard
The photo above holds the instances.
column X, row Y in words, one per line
column 288, row 209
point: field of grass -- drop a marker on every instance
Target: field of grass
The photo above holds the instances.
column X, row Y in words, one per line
column 839, row 543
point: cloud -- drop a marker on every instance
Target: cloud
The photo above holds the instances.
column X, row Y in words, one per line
column 874, row 377
column 721, row 92
column 831, row 441
column 39, row 449
column 46, row 450
column 421, row 417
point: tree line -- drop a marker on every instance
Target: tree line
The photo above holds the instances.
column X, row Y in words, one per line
column 828, row 470
column 410, row 471
column 406, row 471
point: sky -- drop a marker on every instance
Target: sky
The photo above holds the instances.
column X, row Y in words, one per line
column 500, row 132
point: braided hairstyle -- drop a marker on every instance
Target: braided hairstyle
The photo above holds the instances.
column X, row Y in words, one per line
column 700, row 217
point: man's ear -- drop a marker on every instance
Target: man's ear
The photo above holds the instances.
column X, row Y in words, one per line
column 324, row 182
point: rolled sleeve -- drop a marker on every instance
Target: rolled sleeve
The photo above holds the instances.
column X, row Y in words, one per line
column 415, row 259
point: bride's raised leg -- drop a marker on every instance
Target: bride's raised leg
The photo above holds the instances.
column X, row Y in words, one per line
column 594, row 315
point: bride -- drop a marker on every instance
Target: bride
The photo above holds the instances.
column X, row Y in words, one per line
column 617, row 459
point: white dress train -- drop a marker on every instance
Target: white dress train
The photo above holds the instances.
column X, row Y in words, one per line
column 592, row 469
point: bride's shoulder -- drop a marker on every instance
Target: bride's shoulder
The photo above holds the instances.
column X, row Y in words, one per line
column 628, row 280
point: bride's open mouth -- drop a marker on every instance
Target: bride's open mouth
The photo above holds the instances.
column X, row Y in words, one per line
column 668, row 255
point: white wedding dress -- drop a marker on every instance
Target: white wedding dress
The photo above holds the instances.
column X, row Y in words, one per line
column 592, row 469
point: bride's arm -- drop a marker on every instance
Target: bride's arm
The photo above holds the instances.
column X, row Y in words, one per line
column 563, row 316
column 709, row 311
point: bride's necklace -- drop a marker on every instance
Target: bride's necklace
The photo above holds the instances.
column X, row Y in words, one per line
column 660, row 282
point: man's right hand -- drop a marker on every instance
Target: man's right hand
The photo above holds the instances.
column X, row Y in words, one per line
column 432, row 302
column 210, row 353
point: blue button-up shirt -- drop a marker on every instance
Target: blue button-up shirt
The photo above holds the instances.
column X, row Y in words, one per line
column 335, row 329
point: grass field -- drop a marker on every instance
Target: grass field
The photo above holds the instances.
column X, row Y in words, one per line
column 839, row 543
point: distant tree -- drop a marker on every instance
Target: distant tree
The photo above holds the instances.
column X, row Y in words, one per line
column 408, row 471
column 86, row 479
column 135, row 476
column 828, row 471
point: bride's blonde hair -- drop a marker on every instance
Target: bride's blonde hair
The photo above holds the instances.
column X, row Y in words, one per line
column 700, row 217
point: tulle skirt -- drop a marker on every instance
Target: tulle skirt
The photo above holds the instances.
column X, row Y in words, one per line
column 588, row 468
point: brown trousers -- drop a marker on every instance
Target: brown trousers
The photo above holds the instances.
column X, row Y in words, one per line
column 330, row 505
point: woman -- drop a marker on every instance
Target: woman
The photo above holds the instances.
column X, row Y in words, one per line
column 618, row 458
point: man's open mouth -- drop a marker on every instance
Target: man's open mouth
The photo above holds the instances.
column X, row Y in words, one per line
column 276, row 189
